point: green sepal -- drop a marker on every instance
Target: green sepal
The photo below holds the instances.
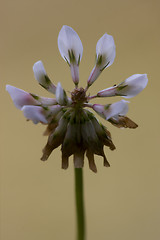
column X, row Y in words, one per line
column 48, row 81
column 71, row 56
column 35, row 96
column 45, row 108
column 119, row 87
column 107, row 106
column 67, row 61
column 104, row 66
column 99, row 60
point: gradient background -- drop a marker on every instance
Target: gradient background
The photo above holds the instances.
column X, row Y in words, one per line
column 37, row 199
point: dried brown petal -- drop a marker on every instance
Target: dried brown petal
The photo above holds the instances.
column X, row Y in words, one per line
column 50, row 128
column 55, row 139
column 103, row 134
column 108, row 142
column 91, row 161
column 64, row 162
column 51, row 146
column 123, row 122
column 106, row 163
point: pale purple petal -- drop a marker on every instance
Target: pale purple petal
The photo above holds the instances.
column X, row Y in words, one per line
column 75, row 73
column 20, row 97
column 41, row 114
column 35, row 113
column 98, row 108
column 93, row 75
column 108, row 92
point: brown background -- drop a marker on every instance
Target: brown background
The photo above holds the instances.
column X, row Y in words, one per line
column 37, row 199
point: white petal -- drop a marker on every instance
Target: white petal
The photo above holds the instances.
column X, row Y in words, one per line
column 39, row 72
column 115, row 109
column 111, row 110
column 41, row 76
column 135, row 84
column 127, row 89
column 61, row 96
column 35, row 113
column 69, row 41
column 20, row 97
column 106, row 48
column 105, row 54
column 46, row 101
column 59, row 93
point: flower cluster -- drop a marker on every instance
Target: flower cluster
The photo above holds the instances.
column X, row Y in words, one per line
column 70, row 123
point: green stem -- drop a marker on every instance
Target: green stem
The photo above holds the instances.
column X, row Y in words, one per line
column 79, row 204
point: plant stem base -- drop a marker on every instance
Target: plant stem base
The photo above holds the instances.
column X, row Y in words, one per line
column 79, row 204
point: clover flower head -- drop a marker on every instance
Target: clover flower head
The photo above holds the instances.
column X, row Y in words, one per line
column 70, row 120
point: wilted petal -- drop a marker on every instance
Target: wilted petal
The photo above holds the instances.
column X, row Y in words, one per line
column 123, row 122
column 42, row 77
column 61, row 96
column 61, row 128
column 20, row 97
column 91, row 161
column 88, row 133
column 50, row 128
column 70, row 45
column 105, row 162
column 65, row 162
column 53, row 123
column 70, row 144
column 56, row 138
column 111, row 110
column 35, row 113
column 103, row 134
column 90, row 139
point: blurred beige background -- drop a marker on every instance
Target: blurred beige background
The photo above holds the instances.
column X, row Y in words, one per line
column 37, row 199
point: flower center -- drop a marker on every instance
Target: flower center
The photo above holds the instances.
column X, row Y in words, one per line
column 78, row 97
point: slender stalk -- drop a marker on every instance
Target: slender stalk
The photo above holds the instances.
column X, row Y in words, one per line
column 91, row 97
column 79, row 204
